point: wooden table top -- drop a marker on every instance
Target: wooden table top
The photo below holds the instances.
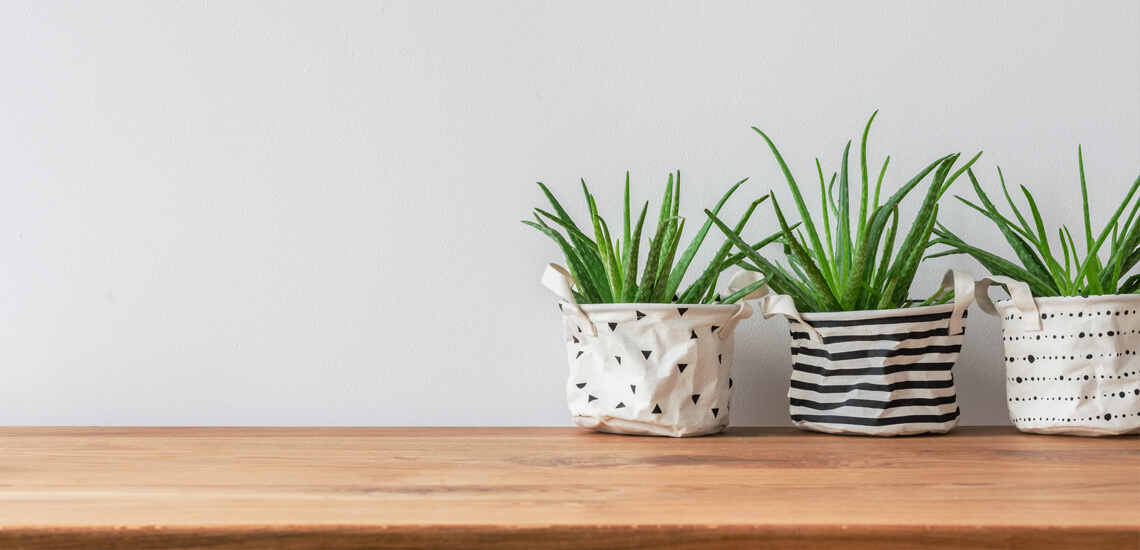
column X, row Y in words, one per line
column 561, row 488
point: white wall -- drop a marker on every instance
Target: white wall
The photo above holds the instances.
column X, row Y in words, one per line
column 307, row 213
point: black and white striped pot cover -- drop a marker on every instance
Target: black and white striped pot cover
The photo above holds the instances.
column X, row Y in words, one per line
column 1071, row 364
column 885, row 372
column 649, row 369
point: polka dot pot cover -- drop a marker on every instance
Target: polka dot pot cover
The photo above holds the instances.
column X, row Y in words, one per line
column 1071, row 362
column 649, row 369
column 879, row 372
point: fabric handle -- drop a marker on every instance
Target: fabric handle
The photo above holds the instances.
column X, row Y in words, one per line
column 1022, row 298
column 559, row 280
column 963, row 282
column 782, row 304
column 741, row 280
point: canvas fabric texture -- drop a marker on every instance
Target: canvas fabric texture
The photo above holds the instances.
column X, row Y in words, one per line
column 883, row 373
column 649, row 369
column 1071, row 363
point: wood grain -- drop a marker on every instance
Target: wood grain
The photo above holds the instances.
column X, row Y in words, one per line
column 561, row 488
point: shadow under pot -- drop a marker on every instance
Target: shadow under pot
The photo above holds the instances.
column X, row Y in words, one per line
column 649, row 369
column 1071, row 363
column 876, row 372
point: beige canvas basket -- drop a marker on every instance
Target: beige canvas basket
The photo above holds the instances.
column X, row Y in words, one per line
column 1071, row 363
column 649, row 369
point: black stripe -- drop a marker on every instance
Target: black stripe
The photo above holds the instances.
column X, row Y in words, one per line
column 872, row 371
column 866, row 353
column 869, row 404
column 856, row 421
column 921, row 318
column 898, row 337
column 908, row 385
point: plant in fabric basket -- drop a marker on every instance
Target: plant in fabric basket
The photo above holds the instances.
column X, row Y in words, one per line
column 1069, row 316
column 605, row 267
column 854, row 265
column 1045, row 271
column 645, row 356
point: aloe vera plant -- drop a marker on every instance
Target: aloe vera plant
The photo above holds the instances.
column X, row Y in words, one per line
column 1047, row 273
column 853, row 263
column 605, row 267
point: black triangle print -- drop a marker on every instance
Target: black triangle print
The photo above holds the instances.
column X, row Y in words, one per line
column 717, row 297
column 559, row 306
column 715, row 411
column 694, row 336
column 633, row 388
column 646, row 353
column 640, row 315
column 613, row 326
column 695, row 398
column 618, row 358
column 580, row 386
column 682, row 310
column 718, row 358
column 681, row 366
column 714, row 328
column 620, row 406
column 579, row 330
column 592, row 398
column 657, row 409
column 676, row 298
column 580, row 352
column 730, row 382
column 575, row 339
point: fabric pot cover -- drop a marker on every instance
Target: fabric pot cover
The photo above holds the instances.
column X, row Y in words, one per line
column 649, row 369
column 1071, row 365
column 885, row 372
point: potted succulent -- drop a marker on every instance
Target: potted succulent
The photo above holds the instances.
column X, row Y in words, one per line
column 647, row 356
column 1071, row 329
column 866, row 359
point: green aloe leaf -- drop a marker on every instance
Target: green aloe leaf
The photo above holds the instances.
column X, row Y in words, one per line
column 687, row 257
column 805, row 216
column 629, row 289
column 605, row 265
column 822, row 289
column 858, row 268
column 708, row 279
